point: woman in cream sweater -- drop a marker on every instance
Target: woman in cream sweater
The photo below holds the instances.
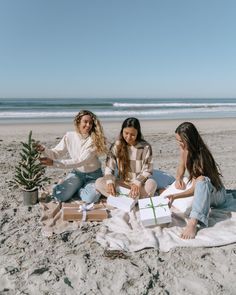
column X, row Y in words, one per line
column 84, row 146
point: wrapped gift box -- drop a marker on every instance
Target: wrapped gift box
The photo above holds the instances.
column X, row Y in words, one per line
column 184, row 204
column 82, row 212
column 122, row 200
column 77, row 204
column 154, row 211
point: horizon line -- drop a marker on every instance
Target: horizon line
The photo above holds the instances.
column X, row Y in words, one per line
column 185, row 97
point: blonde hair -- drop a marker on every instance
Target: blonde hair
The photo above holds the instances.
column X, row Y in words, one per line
column 96, row 131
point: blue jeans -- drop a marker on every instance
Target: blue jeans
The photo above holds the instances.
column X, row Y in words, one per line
column 162, row 178
column 78, row 182
column 205, row 196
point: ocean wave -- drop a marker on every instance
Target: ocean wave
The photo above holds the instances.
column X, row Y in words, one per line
column 180, row 104
column 113, row 113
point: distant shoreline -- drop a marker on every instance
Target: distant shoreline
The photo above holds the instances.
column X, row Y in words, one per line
column 60, row 121
column 30, row 111
column 168, row 126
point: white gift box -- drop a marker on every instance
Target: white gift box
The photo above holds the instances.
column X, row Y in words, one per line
column 184, row 204
column 154, row 211
column 122, row 200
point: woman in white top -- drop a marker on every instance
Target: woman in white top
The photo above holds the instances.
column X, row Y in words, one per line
column 84, row 146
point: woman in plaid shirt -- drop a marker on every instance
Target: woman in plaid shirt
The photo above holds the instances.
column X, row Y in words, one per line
column 131, row 157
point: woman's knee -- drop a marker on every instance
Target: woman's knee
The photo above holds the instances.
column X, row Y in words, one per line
column 99, row 183
column 89, row 194
column 200, row 178
column 61, row 194
column 66, row 189
column 150, row 186
column 203, row 184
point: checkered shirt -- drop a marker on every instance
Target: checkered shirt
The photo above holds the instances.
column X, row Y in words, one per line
column 141, row 163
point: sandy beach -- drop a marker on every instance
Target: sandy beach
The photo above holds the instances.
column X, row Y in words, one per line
column 73, row 262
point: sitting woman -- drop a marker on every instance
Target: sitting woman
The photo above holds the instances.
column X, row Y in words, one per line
column 207, row 187
column 84, row 145
column 131, row 157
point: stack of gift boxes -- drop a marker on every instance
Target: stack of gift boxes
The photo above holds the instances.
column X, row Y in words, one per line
column 153, row 210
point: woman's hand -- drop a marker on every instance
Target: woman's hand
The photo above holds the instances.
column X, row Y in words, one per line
column 180, row 184
column 110, row 188
column 134, row 191
column 171, row 199
column 46, row 161
column 39, row 147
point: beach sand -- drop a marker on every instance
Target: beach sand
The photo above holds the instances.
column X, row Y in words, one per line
column 73, row 262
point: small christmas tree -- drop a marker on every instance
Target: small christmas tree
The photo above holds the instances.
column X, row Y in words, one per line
column 30, row 173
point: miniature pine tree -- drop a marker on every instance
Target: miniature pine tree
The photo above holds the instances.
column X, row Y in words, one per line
column 30, row 173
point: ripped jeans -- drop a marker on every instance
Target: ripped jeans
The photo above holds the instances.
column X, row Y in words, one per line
column 78, row 182
column 206, row 196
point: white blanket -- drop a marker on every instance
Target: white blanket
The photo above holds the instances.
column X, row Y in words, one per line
column 124, row 231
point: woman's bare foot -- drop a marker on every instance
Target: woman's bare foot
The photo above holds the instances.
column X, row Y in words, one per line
column 190, row 230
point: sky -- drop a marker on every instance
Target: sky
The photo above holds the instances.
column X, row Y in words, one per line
column 117, row 48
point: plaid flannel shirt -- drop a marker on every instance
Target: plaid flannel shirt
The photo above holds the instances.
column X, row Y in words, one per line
column 141, row 164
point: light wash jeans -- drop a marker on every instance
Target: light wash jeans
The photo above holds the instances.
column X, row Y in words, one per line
column 206, row 196
column 82, row 183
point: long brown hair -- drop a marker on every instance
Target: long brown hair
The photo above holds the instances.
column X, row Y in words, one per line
column 122, row 148
column 96, row 131
column 199, row 159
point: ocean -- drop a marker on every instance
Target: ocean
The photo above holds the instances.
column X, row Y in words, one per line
column 63, row 110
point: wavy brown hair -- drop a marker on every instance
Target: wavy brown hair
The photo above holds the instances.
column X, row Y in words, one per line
column 199, row 160
column 122, row 148
column 96, row 131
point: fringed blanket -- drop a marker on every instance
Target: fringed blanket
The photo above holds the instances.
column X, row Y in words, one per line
column 124, row 231
column 52, row 222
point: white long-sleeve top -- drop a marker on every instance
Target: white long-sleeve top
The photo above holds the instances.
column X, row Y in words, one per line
column 81, row 150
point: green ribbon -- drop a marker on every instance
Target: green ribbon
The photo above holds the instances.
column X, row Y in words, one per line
column 148, row 206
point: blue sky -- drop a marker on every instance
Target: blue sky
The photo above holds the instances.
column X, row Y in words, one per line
column 122, row 48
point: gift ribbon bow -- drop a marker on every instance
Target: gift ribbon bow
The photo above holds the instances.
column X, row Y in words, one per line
column 152, row 206
column 84, row 208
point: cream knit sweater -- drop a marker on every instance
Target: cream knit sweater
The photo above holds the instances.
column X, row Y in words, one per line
column 81, row 150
